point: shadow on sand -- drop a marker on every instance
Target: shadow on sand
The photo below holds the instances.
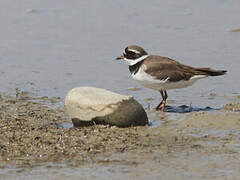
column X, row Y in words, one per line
column 186, row 109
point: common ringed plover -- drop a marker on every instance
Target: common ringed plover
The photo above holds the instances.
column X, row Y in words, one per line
column 162, row 73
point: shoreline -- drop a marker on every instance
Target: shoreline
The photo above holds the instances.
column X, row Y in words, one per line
column 31, row 136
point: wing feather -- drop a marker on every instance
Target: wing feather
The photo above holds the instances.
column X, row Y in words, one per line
column 163, row 68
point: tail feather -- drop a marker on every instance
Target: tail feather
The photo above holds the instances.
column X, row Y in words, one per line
column 212, row 72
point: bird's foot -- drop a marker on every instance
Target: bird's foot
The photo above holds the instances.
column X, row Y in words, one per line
column 158, row 108
column 163, row 107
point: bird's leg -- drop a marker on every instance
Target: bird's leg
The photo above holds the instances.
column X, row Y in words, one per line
column 159, row 105
column 165, row 96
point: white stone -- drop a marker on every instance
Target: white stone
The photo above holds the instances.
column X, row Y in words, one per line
column 90, row 103
column 86, row 103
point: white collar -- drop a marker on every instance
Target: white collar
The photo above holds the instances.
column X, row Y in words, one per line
column 133, row 62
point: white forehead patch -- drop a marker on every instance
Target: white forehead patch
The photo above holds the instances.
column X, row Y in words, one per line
column 134, row 50
column 133, row 62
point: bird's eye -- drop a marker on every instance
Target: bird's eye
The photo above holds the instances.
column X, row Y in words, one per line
column 131, row 53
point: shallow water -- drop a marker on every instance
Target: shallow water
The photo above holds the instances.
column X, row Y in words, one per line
column 49, row 47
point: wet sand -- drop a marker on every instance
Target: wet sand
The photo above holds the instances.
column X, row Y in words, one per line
column 34, row 139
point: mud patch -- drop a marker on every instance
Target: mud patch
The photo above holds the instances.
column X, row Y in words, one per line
column 38, row 139
column 232, row 107
column 33, row 133
column 219, row 120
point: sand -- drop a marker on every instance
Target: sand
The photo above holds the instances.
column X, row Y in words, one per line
column 202, row 144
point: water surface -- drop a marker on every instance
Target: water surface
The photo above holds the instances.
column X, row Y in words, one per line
column 49, row 47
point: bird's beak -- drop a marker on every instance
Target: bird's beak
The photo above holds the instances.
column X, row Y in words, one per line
column 120, row 57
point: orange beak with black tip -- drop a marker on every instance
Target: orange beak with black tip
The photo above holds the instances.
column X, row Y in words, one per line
column 120, row 57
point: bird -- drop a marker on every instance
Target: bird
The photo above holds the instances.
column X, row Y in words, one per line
column 162, row 73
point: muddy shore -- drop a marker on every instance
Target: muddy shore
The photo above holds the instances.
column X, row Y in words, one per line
column 202, row 144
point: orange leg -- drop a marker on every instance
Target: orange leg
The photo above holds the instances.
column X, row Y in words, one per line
column 163, row 105
column 163, row 102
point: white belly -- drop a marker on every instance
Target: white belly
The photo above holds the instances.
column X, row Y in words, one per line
column 149, row 82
